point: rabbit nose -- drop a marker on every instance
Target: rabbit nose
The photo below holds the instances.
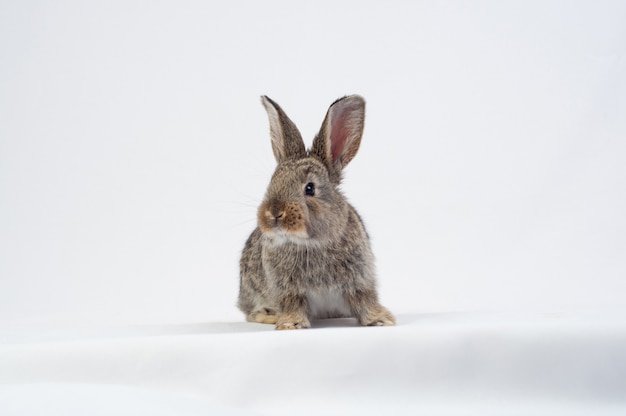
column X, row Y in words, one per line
column 276, row 212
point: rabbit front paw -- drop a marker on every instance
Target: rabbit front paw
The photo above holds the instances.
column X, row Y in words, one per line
column 379, row 317
column 292, row 321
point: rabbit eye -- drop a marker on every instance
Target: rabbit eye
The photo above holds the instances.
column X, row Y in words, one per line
column 309, row 189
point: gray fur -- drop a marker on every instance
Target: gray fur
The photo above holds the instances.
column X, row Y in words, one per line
column 310, row 256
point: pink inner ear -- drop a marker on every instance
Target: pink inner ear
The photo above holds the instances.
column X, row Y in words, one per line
column 338, row 134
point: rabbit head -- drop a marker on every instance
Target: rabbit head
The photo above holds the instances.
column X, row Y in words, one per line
column 303, row 203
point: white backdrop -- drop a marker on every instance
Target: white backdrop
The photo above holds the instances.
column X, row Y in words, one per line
column 134, row 150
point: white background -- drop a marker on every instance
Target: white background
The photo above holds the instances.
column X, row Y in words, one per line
column 134, row 150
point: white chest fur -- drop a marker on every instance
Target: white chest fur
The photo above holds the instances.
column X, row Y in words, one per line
column 328, row 303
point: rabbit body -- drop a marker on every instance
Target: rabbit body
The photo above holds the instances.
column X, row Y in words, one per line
column 310, row 256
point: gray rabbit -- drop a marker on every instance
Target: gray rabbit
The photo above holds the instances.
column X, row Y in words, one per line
column 310, row 256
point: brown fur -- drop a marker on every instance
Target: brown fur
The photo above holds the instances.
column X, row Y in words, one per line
column 310, row 256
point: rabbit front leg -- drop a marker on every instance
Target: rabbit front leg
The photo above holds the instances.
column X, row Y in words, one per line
column 368, row 312
column 293, row 313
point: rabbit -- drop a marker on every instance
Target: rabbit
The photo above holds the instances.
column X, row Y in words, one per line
column 310, row 256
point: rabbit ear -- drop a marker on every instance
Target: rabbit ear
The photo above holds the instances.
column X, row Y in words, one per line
column 286, row 139
column 340, row 136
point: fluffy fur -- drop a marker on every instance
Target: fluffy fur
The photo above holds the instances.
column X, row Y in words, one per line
column 310, row 256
